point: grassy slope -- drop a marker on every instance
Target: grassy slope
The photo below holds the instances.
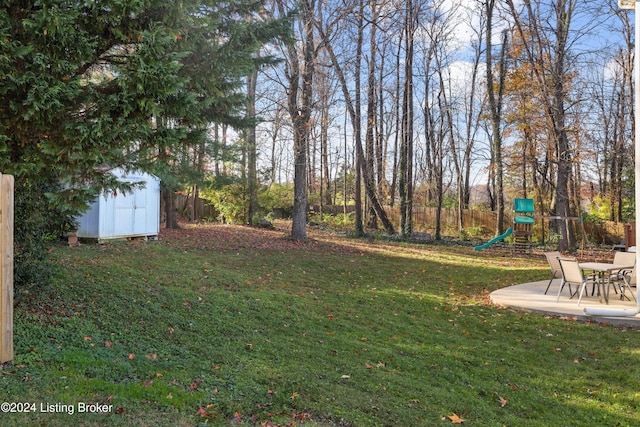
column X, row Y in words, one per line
column 218, row 325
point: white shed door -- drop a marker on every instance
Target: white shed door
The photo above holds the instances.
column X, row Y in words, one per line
column 139, row 212
column 124, row 214
column 131, row 214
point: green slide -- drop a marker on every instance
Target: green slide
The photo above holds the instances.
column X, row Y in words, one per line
column 495, row 239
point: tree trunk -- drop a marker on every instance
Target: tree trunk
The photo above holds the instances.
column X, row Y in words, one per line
column 495, row 106
column 252, row 179
column 301, row 124
column 299, row 217
column 563, row 18
column 171, row 220
column 325, row 175
column 396, row 137
column 371, row 109
column 299, row 104
column 406, row 145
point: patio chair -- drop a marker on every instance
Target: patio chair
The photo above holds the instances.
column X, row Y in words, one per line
column 626, row 258
column 622, row 246
column 624, row 281
column 572, row 274
column 622, row 258
column 556, row 272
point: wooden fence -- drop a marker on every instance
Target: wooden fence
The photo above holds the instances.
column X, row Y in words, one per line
column 184, row 206
column 6, row 268
column 424, row 219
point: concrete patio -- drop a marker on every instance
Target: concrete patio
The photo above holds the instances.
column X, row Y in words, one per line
column 530, row 297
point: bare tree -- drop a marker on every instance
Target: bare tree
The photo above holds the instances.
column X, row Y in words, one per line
column 551, row 56
column 495, row 106
column 353, row 105
column 406, row 144
column 299, row 104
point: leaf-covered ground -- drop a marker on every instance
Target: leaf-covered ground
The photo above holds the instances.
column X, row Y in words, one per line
column 230, row 325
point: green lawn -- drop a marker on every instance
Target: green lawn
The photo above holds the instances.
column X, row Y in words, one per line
column 224, row 325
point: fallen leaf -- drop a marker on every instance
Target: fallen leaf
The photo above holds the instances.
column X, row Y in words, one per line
column 503, row 401
column 202, row 412
column 455, row 419
column 108, row 344
column 368, row 366
column 294, row 395
column 132, row 356
column 302, row 416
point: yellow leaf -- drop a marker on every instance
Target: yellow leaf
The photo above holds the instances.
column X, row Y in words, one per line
column 455, row 419
column 294, row 395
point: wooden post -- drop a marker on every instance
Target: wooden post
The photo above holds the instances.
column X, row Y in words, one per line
column 6, row 268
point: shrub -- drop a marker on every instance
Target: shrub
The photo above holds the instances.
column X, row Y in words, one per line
column 276, row 196
column 39, row 219
column 229, row 197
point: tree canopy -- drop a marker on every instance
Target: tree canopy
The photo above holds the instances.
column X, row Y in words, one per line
column 88, row 86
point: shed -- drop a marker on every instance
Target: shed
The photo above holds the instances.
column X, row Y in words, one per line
column 117, row 215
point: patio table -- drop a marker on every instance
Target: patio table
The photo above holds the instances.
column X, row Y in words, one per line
column 600, row 268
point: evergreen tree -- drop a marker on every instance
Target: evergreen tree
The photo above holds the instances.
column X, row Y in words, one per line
column 89, row 86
